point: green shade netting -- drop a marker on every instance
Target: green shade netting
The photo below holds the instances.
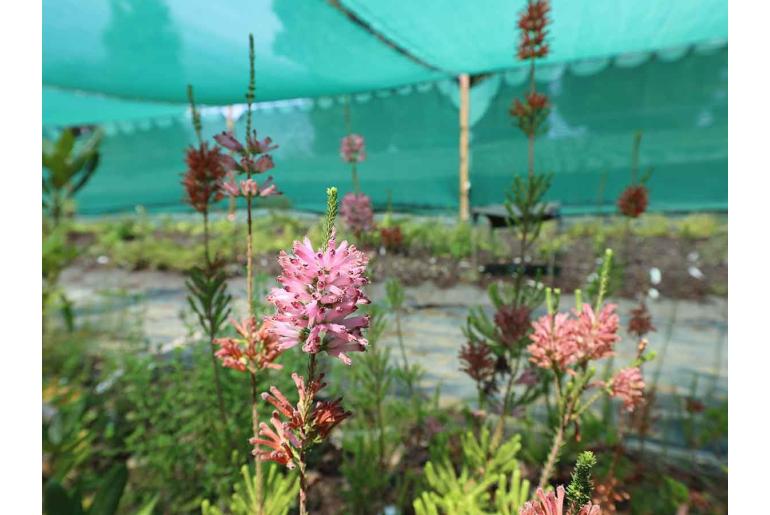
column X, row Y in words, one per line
column 476, row 37
column 65, row 108
column 679, row 102
column 151, row 49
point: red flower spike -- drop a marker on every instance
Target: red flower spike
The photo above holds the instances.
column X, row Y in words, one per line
column 633, row 201
column 203, row 175
column 477, row 361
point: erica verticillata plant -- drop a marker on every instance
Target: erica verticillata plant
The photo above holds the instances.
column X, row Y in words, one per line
column 255, row 350
column 356, row 207
column 315, row 310
column 496, row 358
column 565, row 345
column 506, row 335
column 356, row 210
column 206, row 284
column 531, row 112
column 633, row 201
column 640, row 323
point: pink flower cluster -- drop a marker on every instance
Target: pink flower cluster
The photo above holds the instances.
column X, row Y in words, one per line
column 281, row 442
column 321, row 289
column 553, row 504
column 256, row 349
column 254, row 159
column 352, row 148
column 563, row 339
column 249, row 188
column 356, row 210
column 628, row 386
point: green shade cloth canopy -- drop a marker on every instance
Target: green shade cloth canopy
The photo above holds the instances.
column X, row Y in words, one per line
column 151, row 49
column 481, row 36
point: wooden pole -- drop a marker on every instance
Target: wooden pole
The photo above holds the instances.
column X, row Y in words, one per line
column 464, row 180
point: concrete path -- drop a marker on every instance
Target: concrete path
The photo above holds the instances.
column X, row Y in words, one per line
column 691, row 339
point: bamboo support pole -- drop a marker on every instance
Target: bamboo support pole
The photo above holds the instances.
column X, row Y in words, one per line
column 464, row 80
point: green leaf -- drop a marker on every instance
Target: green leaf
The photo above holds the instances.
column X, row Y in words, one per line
column 148, row 508
column 89, row 169
column 108, row 497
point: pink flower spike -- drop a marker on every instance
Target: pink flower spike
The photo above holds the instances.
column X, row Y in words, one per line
column 320, row 292
column 356, row 210
column 352, row 148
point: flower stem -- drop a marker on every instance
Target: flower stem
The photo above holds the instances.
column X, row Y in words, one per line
column 250, row 304
column 302, row 485
column 553, row 455
column 306, row 408
column 531, row 135
column 255, row 431
column 500, row 428
column 211, row 332
column 400, row 335
column 356, row 183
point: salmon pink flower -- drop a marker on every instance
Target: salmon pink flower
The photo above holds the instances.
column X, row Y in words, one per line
column 628, row 386
column 229, row 187
column 326, row 415
column 249, row 188
column 321, row 291
column 278, row 442
column 301, row 427
column 596, row 335
column 256, row 349
column 231, row 354
column 553, row 342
